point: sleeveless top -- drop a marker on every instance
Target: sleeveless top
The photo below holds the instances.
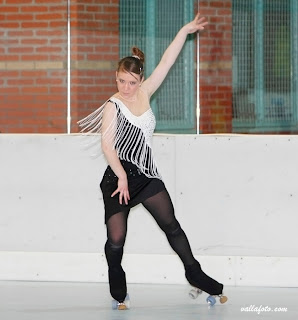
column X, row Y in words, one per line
column 128, row 134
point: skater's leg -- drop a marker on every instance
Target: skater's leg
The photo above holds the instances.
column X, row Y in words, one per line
column 116, row 232
column 161, row 208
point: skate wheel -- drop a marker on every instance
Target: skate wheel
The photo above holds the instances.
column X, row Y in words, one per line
column 194, row 293
column 223, row 299
column 211, row 301
column 114, row 304
column 127, row 301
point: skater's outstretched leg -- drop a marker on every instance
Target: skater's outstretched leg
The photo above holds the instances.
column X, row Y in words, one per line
column 116, row 231
column 161, row 208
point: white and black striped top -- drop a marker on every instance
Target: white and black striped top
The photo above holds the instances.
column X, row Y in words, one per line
column 128, row 134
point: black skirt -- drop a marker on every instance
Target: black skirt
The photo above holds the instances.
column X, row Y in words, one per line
column 140, row 188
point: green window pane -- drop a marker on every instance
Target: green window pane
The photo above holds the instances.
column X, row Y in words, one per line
column 151, row 25
column 264, row 65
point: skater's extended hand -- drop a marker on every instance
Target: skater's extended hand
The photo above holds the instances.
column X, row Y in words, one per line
column 122, row 190
column 196, row 25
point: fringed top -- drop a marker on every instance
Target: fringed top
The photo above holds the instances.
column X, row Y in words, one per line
column 128, row 134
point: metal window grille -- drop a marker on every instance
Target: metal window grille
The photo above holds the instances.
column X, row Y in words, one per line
column 151, row 25
column 265, row 65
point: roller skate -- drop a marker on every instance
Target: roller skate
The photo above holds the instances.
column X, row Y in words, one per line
column 201, row 282
column 118, row 289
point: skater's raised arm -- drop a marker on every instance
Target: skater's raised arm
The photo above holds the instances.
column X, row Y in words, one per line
column 170, row 55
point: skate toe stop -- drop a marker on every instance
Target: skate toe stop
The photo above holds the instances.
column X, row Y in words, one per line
column 223, row 299
column 122, row 306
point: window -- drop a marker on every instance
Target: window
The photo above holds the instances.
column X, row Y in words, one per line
column 151, row 26
column 265, row 65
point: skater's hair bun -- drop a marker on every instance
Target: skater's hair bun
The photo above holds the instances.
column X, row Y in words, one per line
column 133, row 63
column 137, row 53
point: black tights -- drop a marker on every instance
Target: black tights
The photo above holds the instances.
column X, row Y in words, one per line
column 161, row 208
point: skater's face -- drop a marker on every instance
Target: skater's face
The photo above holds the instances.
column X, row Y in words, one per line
column 128, row 84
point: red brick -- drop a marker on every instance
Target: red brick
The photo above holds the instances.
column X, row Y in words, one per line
column 34, row 25
column 93, row 24
column 20, row 82
column 49, row 16
column 20, row 33
column 19, row 17
column 9, row 42
column 8, row 74
column 33, row 73
column 34, row 9
column 61, row 8
column 58, row 24
column 217, row 4
column 11, row 90
column 35, row 90
column 34, row 41
column 224, row 12
column 48, row 49
column 110, row 9
column 58, row 90
column 49, row 81
column 93, row 8
column 8, row 9
column 9, row 24
column 50, row 2
column 9, row 57
column 206, row 12
column 21, row 113
column 21, row 98
column 18, row 2
column 48, row 98
column 206, row 41
column 225, row 88
column 21, row 50
column 50, row 33
column 58, row 41
column 34, row 57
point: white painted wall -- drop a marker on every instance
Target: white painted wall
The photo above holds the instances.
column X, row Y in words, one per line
column 236, row 197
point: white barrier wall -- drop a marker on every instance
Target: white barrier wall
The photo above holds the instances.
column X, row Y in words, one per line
column 236, row 197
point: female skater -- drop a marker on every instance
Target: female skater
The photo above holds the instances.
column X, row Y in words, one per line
column 126, row 123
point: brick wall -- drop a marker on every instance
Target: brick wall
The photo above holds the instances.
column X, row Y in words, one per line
column 33, row 63
column 216, row 67
column 95, row 53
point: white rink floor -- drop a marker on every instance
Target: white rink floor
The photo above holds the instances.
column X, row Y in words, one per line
column 90, row 301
